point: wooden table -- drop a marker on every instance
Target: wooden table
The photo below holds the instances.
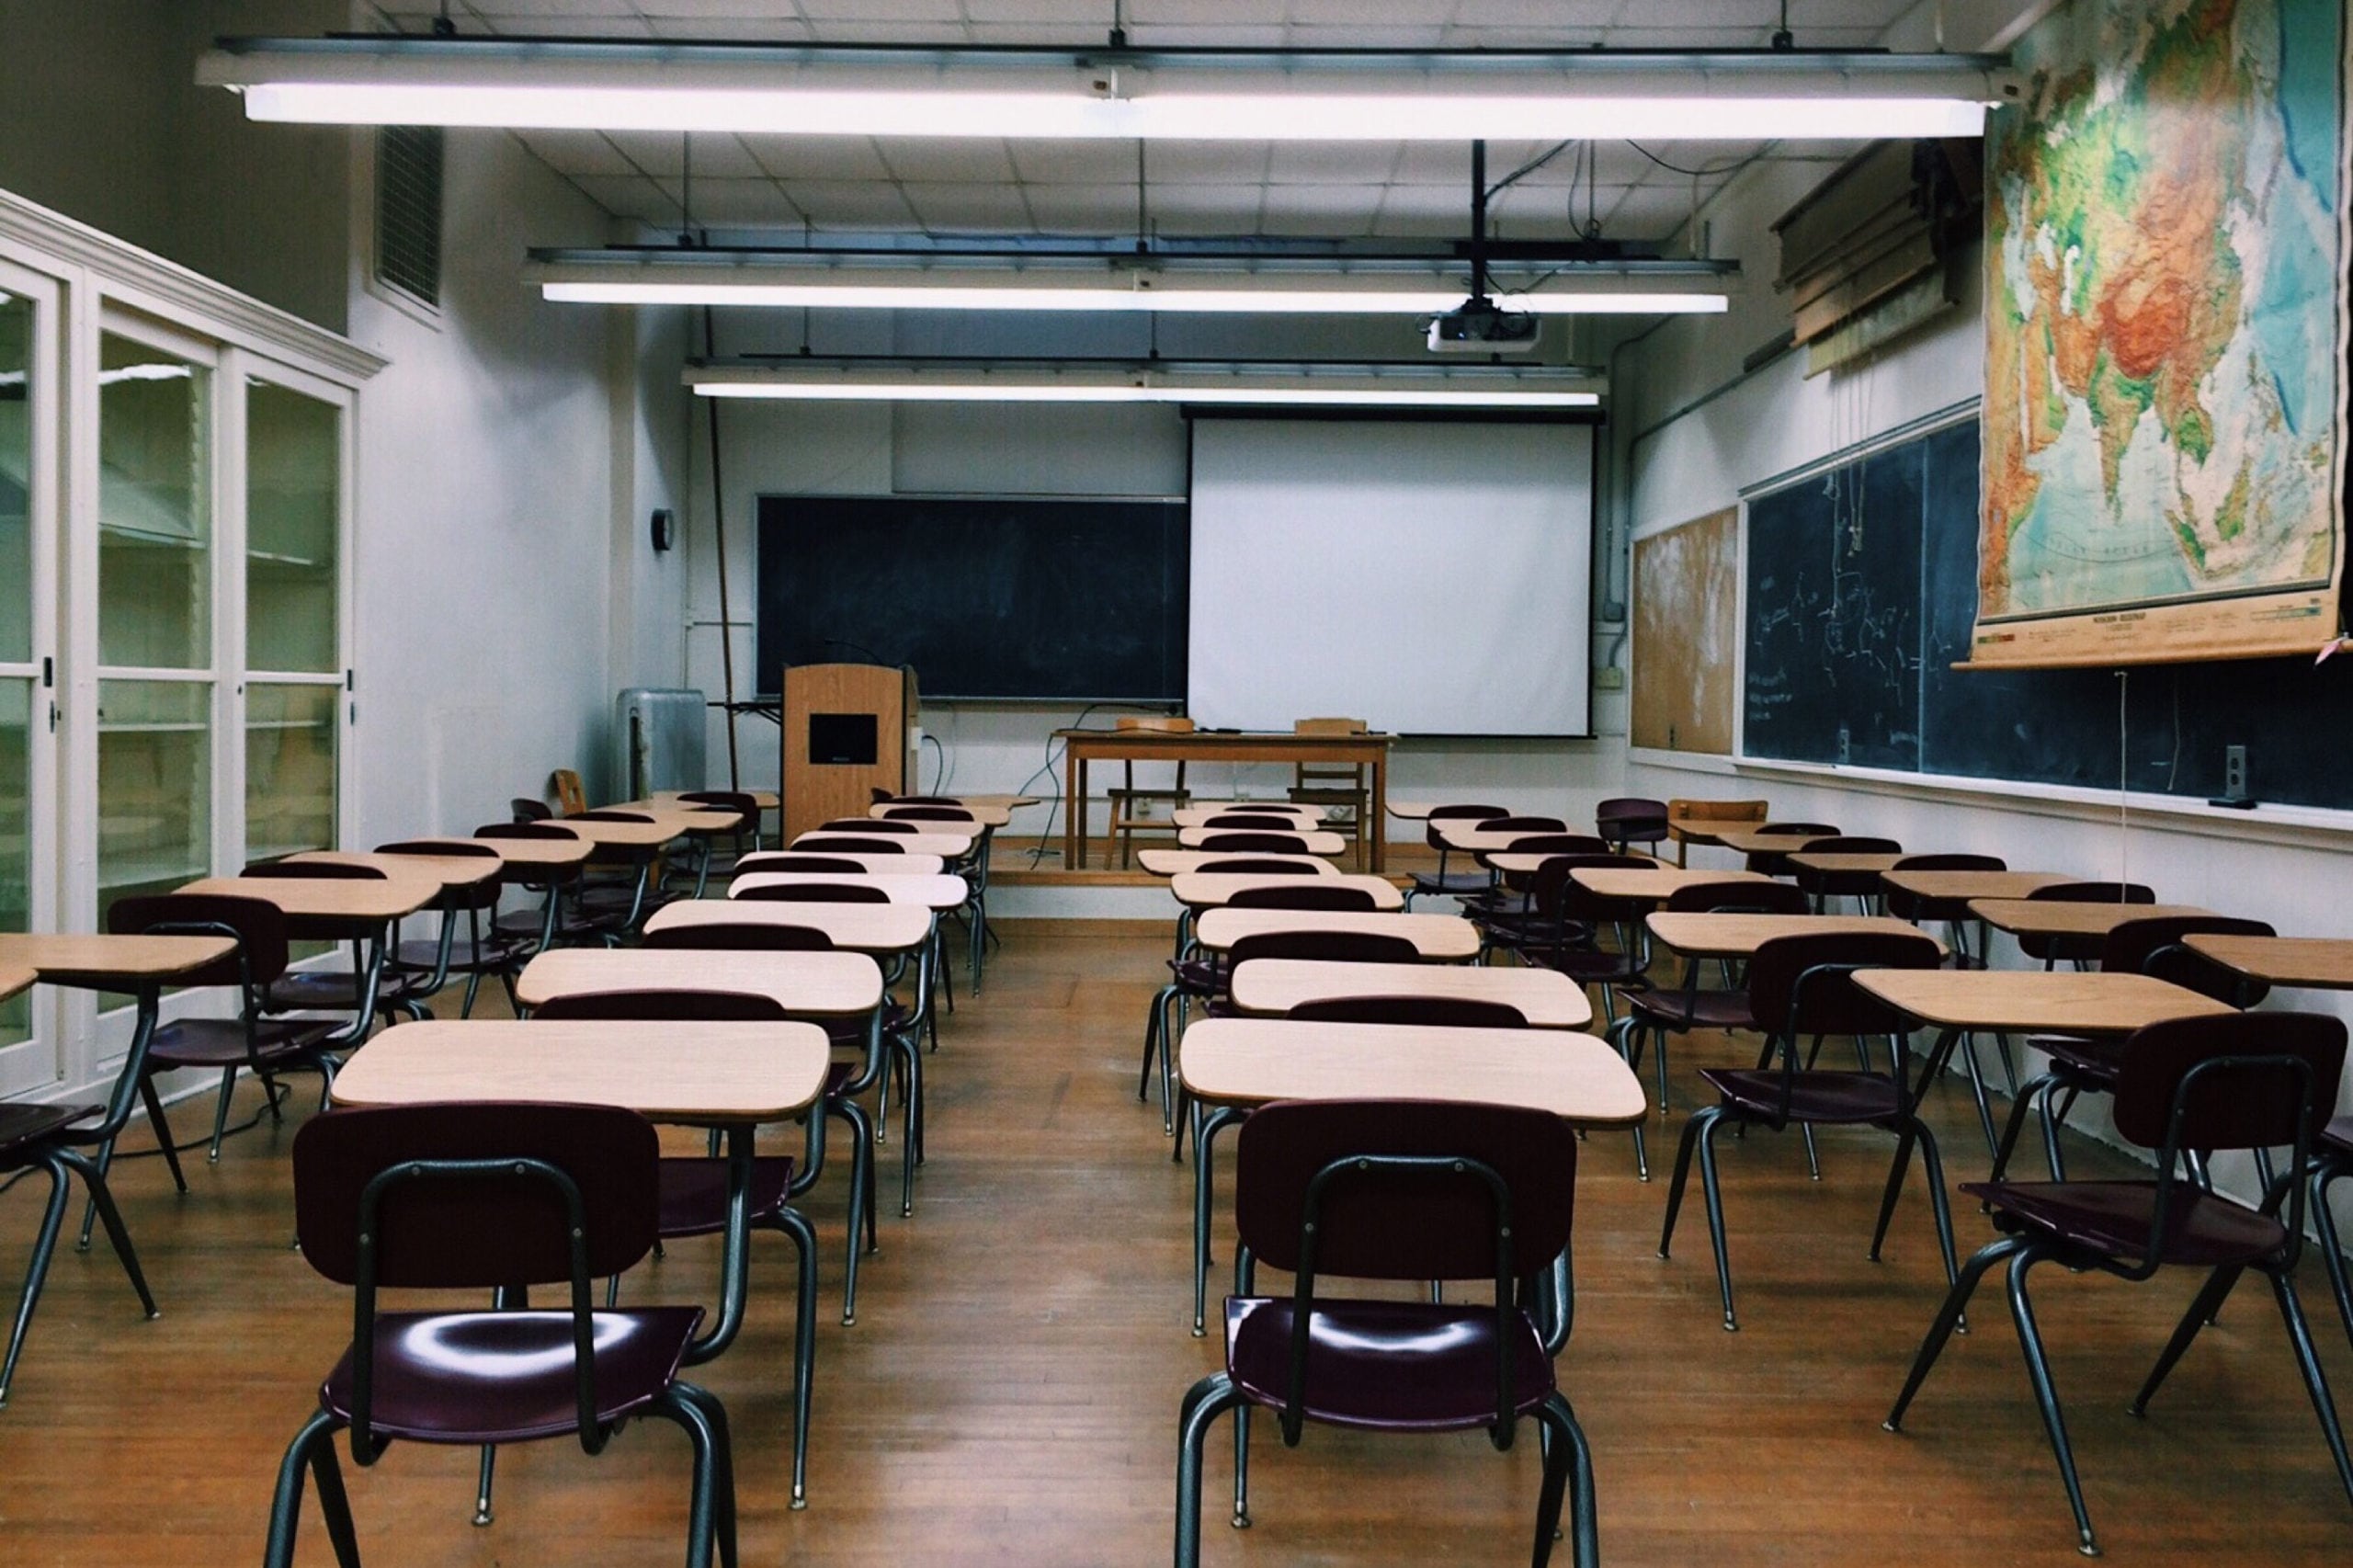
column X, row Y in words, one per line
column 330, row 908
column 1198, row 816
column 1437, row 937
column 1748, row 841
column 734, row 1076
column 1176, row 862
column 842, row 985
column 1642, row 885
column 454, row 872
column 936, row 892
column 1082, row 748
column 2012, row 1000
column 2304, row 963
column 947, row 846
column 1471, row 837
column 515, row 855
column 974, row 803
column 876, row 928
column 16, row 979
column 1313, row 842
column 708, row 819
column 1235, row 1064
column 665, row 827
column 1703, row 822
column 867, row 863
column 1545, row 997
column 1739, row 936
column 2064, row 917
column 1835, row 863
column 980, row 817
column 1212, row 889
column 1961, row 886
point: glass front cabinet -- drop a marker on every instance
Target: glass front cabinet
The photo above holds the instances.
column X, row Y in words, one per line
column 176, row 539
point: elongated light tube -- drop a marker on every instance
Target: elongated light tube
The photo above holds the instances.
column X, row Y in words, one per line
column 1336, row 388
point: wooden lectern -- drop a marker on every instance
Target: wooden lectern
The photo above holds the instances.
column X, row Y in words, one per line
column 844, row 736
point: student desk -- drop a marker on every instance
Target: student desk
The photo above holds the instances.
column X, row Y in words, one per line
column 1639, row 885
column 2063, row 917
column 881, row 929
column 1945, row 896
column 1839, row 863
column 1211, row 890
column 1701, row 822
column 1440, row 938
column 1231, row 1065
column 14, row 979
column 1471, row 837
column 947, row 846
column 868, row 864
column 1749, row 841
column 337, row 909
column 1309, row 842
column 973, row 804
column 838, row 984
column 456, row 873
column 1545, row 997
column 707, row 819
column 1081, row 749
column 519, row 857
column 983, row 816
column 1176, row 862
column 2303, row 963
column 732, row 1076
column 1413, row 810
column 665, row 825
column 1306, row 817
column 937, row 892
column 1698, row 935
column 2013, row 1001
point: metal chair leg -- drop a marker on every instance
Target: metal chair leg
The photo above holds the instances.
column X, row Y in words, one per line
column 795, row 1225
column 44, row 1247
column 286, row 1504
column 1203, row 1403
column 2299, row 1335
column 2203, row 1308
column 1568, row 1466
column 1895, row 1170
column 2332, row 1256
column 485, row 1472
column 1948, row 1320
column 2046, row 1393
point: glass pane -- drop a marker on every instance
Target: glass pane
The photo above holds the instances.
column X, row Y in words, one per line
column 15, row 842
column 154, row 508
column 154, row 787
column 291, row 474
column 290, row 769
column 16, row 480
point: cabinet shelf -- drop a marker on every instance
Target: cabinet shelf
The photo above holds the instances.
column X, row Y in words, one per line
column 157, row 537
column 154, row 727
column 278, row 558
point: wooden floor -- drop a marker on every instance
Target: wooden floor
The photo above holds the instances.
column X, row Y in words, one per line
column 1009, row 1392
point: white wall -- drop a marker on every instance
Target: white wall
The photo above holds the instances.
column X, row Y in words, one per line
column 2287, row 866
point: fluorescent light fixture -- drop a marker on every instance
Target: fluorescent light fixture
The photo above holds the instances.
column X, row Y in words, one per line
column 1338, row 386
column 1190, row 95
column 631, row 279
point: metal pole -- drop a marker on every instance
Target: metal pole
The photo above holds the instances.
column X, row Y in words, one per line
column 718, row 521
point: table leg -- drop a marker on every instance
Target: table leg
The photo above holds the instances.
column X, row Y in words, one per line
column 734, row 1267
column 1377, row 827
column 1074, row 810
column 124, row 1097
column 1202, row 1140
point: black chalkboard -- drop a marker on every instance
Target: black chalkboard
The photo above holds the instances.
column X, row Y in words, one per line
column 1822, row 645
column 1006, row 597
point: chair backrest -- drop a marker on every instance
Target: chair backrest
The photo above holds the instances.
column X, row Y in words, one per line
column 1421, row 1012
column 842, row 843
column 892, row 826
column 1739, row 898
column 570, row 799
column 483, row 894
column 1629, row 818
column 749, row 936
column 665, row 1005
column 525, row 809
column 884, row 798
column 1854, row 847
column 1565, row 844
column 2096, row 893
column 794, row 860
column 315, row 870
column 813, row 892
column 1523, row 824
column 1263, row 843
column 901, row 812
column 1796, row 829
column 2275, row 1084
column 1271, row 821
column 485, row 1229
column 1441, row 815
column 1952, row 863
column 258, row 925
column 1330, row 946
column 733, row 800
column 1242, row 865
column 609, row 814
column 1797, row 985
column 2135, row 946
column 1722, row 812
column 539, row 828
column 1308, row 892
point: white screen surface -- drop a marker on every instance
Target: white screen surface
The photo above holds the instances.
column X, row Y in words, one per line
column 1429, row 579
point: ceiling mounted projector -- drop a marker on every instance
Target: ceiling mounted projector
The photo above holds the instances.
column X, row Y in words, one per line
column 1478, row 326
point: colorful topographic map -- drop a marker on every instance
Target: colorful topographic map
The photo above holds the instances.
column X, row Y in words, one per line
column 2162, row 371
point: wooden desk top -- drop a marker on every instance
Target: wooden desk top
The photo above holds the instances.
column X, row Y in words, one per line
column 1654, row 885
column 1471, row 837
column 1176, row 862
column 523, row 853
column 2060, row 917
column 666, row 1071
column 827, row 983
column 452, row 871
column 870, row 864
column 1310, row 843
column 981, row 816
column 1546, row 997
column 1436, row 937
column 1748, row 841
column 1212, row 889
column 2019, row 1000
column 947, row 846
column 765, row 800
column 1837, row 863
column 936, row 892
column 1523, row 862
column 862, row 928
column 976, row 802
column 1683, row 828
column 1739, row 936
column 16, row 979
column 92, row 961
column 2311, row 963
column 694, row 816
column 665, row 826
column 1413, row 810
column 329, row 898
column 1255, row 1060
column 1198, row 816
column 1965, row 885
column 1158, row 743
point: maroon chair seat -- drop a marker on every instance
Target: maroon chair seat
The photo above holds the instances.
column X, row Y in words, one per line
column 1692, row 1009
column 1630, row 820
column 222, row 1042
column 21, row 1124
column 1420, row 1012
column 1243, row 866
column 1823, row 1097
column 1289, row 842
column 1386, row 1366
column 848, row 844
column 1307, row 893
column 519, row 1382
column 694, row 1193
column 1271, row 820
column 2201, row 1230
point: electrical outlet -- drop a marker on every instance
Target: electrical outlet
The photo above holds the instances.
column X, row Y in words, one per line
column 2234, row 772
column 1845, row 750
column 1611, row 679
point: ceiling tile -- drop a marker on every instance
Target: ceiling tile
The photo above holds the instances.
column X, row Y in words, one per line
column 1161, row 35
column 1235, row 14
column 629, row 196
column 851, row 204
column 1205, row 163
column 1067, row 163
column 1322, row 208
column 1332, row 163
column 1368, row 38
column 933, row 158
column 1211, row 210
column 818, row 157
column 1044, row 35
column 1084, row 208
column 509, row 23
column 716, row 156
column 1095, row 15
column 743, row 203
column 1543, row 15
column 729, row 30
column 967, row 208
column 573, row 153
column 823, row 13
column 832, row 29
column 1372, row 13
